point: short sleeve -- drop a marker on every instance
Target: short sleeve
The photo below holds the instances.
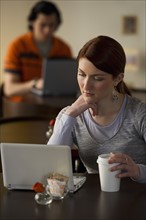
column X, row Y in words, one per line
column 12, row 62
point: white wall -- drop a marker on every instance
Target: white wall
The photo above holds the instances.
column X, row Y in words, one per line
column 83, row 20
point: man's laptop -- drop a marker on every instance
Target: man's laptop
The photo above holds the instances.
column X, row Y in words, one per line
column 60, row 77
column 25, row 164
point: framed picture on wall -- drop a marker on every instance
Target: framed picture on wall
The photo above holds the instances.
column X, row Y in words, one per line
column 129, row 24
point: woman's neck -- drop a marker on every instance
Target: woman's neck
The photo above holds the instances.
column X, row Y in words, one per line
column 107, row 111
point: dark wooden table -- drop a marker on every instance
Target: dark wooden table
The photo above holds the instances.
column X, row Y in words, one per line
column 89, row 203
column 24, row 130
column 37, row 106
column 34, row 105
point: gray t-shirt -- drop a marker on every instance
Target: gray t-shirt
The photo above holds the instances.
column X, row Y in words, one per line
column 44, row 47
column 129, row 137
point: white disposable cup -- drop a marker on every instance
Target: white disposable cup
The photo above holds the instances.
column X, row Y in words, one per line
column 108, row 180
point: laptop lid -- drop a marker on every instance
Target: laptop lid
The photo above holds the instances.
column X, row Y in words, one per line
column 25, row 164
column 60, row 77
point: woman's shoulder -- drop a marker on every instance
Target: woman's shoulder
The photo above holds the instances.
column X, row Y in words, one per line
column 133, row 101
column 135, row 105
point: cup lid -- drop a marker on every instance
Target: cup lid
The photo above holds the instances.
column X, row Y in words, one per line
column 103, row 158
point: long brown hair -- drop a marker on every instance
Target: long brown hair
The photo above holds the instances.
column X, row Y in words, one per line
column 107, row 55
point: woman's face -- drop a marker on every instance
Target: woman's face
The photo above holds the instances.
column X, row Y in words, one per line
column 95, row 85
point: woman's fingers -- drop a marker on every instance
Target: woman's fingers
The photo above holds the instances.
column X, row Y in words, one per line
column 127, row 166
column 119, row 158
column 119, row 167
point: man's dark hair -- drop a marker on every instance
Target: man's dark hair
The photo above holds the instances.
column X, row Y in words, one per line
column 46, row 8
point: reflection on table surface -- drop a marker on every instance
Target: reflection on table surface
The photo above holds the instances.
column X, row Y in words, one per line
column 47, row 105
column 32, row 105
column 87, row 203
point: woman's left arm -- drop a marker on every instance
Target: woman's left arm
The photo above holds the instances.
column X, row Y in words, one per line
column 130, row 169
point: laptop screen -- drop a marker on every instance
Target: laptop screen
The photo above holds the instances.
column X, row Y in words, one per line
column 60, row 77
column 25, row 164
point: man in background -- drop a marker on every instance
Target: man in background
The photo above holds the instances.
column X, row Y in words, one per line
column 24, row 57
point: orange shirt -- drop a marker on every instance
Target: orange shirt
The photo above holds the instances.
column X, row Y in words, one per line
column 24, row 58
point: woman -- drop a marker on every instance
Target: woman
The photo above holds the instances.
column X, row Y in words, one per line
column 105, row 118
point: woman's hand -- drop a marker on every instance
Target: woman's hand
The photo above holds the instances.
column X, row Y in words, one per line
column 79, row 106
column 127, row 166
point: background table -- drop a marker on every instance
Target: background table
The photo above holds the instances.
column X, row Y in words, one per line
column 89, row 203
column 33, row 105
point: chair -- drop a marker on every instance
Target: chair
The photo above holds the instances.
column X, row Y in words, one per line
column 26, row 109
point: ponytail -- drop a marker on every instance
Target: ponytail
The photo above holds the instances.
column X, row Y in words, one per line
column 122, row 88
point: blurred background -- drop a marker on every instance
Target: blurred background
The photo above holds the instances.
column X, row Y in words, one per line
column 123, row 20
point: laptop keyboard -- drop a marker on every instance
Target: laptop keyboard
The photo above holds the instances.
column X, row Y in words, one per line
column 79, row 180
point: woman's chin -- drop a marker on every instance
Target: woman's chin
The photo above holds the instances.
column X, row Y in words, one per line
column 89, row 100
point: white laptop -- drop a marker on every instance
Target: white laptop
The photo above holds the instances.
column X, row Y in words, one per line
column 25, row 164
column 60, row 77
